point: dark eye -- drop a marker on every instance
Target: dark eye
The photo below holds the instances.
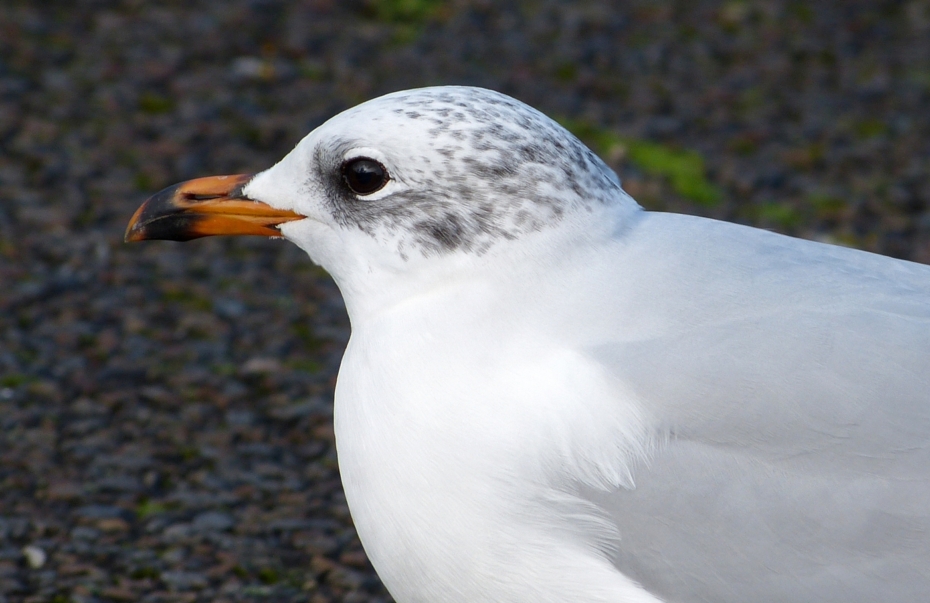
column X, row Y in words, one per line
column 364, row 176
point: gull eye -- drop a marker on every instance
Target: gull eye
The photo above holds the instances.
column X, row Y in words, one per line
column 364, row 176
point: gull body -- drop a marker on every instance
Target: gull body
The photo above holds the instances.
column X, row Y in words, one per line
column 551, row 395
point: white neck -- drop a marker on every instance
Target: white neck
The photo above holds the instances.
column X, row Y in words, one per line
column 373, row 277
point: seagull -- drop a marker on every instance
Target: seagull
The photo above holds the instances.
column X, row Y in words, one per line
column 552, row 395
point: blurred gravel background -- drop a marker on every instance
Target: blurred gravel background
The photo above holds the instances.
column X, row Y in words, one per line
column 165, row 409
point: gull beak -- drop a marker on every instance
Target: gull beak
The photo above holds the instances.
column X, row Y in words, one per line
column 205, row 207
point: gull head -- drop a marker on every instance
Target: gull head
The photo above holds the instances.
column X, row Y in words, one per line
column 401, row 181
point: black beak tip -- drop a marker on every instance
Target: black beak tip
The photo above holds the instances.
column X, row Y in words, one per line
column 160, row 217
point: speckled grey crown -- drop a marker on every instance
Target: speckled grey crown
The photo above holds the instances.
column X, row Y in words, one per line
column 485, row 167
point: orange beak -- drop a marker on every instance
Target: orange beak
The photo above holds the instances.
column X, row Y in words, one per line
column 205, row 207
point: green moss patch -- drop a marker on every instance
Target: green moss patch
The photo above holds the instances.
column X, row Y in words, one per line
column 684, row 169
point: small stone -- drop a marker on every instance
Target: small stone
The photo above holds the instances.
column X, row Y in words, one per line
column 99, row 512
column 325, row 432
column 344, row 578
column 258, row 366
column 160, row 596
column 35, row 556
column 113, row 524
column 313, row 407
column 184, row 580
column 229, row 308
column 73, row 568
column 354, row 558
column 156, row 394
column 214, row 521
column 315, row 543
column 85, row 533
column 119, row 483
column 251, row 68
column 240, row 418
column 7, row 568
column 321, row 565
column 119, row 593
column 64, row 490
column 178, row 531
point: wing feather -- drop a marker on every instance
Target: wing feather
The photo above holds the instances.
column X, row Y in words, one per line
column 795, row 388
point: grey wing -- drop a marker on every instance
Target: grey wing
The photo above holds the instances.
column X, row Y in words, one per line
column 798, row 461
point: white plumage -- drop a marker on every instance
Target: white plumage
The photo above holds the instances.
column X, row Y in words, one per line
column 552, row 395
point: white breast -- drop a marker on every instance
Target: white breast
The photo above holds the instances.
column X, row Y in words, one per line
column 459, row 463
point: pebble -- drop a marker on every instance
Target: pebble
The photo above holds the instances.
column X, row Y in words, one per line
column 35, row 556
column 213, row 521
column 179, row 580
